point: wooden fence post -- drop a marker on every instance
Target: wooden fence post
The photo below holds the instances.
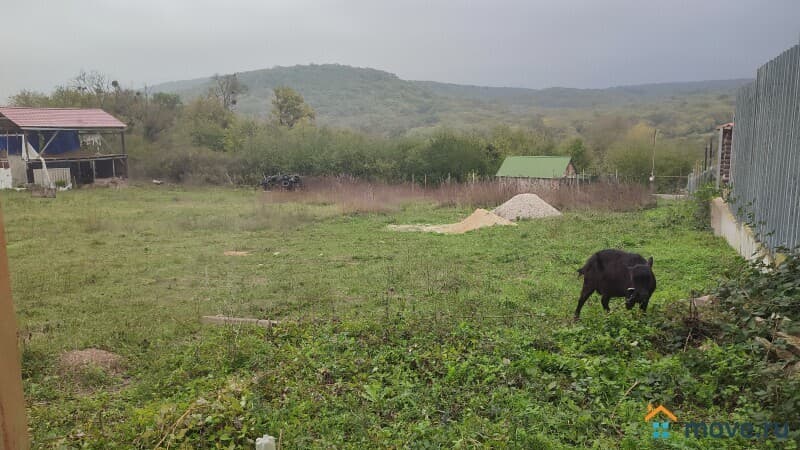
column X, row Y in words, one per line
column 13, row 423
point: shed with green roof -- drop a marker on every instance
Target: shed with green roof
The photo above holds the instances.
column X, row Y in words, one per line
column 537, row 167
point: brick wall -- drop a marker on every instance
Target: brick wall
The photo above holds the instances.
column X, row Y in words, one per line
column 725, row 155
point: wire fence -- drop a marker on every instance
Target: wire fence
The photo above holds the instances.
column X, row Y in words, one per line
column 765, row 160
column 696, row 180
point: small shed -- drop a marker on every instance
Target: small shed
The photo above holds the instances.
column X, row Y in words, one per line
column 543, row 170
column 46, row 146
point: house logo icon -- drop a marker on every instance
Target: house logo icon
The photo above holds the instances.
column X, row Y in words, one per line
column 660, row 428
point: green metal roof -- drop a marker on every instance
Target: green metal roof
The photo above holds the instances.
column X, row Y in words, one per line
column 534, row 166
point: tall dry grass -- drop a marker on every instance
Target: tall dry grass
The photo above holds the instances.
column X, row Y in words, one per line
column 353, row 195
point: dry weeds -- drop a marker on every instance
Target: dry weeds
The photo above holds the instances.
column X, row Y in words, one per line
column 75, row 361
column 352, row 196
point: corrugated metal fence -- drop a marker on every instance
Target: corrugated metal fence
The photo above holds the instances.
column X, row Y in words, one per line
column 765, row 161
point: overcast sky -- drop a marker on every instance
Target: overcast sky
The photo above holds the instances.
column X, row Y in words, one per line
column 532, row 43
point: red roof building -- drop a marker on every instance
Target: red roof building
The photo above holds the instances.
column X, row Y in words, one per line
column 60, row 146
column 59, row 119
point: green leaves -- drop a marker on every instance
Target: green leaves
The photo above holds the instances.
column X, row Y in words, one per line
column 289, row 108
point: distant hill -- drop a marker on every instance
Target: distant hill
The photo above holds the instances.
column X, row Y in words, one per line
column 379, row 102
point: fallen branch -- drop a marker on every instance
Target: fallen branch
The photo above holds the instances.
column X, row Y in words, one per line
column 171, row 434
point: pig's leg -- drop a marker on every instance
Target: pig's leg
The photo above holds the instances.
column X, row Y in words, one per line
column 586, row 292
column 604, row 300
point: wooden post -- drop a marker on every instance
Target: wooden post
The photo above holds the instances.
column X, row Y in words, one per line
column 27, row 158
column 13, row 422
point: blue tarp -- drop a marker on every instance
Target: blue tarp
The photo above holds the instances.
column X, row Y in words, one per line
column 65, row 141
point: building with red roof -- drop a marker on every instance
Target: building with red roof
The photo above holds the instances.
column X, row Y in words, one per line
column 51, row 146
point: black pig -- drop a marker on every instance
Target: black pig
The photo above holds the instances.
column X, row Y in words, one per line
column 614, row 273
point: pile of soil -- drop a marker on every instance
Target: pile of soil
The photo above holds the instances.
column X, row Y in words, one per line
column 478, row 219
column 525, row 206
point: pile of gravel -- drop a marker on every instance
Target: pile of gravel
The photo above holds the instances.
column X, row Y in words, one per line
column 525, row 206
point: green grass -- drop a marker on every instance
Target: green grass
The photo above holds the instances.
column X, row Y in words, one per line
column 388, row 339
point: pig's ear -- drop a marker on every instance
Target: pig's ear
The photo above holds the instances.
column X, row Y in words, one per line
column 650, row 262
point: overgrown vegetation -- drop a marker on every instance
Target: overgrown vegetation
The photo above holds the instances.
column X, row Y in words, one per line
column 701, row 201
column 386, row 339
column 754, row 320
column 203, row 138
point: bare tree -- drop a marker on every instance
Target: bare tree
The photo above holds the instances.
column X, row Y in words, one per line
column 92, row 82
column 227, row 89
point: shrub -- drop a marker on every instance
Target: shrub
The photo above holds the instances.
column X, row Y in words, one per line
column 701, row 205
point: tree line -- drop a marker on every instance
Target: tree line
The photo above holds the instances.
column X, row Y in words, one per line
column 206, row 141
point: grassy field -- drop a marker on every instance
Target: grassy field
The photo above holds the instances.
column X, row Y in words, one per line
column 387, row 339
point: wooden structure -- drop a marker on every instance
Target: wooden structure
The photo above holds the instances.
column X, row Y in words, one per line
column 13, row 423
column 224, row 320
column 33, row 140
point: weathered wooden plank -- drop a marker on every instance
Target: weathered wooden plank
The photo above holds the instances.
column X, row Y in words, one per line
column 224, row 320
column 13, row 422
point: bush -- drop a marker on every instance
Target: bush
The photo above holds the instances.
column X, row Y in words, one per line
column 188, row 164
column 739, row 348
column 701, row 206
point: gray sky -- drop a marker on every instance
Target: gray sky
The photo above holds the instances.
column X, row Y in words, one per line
column 533, row 43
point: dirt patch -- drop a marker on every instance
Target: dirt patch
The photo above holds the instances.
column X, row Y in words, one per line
column 41, row 192
column 479, row 219
column 236, row 253
column 77, row 361
column 526, row 206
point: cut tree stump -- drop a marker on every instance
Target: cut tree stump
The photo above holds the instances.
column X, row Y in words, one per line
column 224, row 320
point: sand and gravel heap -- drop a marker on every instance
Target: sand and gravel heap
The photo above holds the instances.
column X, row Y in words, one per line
column 525, row 206
column 479, row 219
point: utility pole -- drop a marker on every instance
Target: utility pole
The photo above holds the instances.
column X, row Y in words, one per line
column 653, row 166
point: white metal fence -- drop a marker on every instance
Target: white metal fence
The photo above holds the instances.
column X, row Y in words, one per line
column 55, row 174
column 765, row 160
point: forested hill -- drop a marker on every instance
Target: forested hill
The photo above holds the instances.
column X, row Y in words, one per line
column 380, row 102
